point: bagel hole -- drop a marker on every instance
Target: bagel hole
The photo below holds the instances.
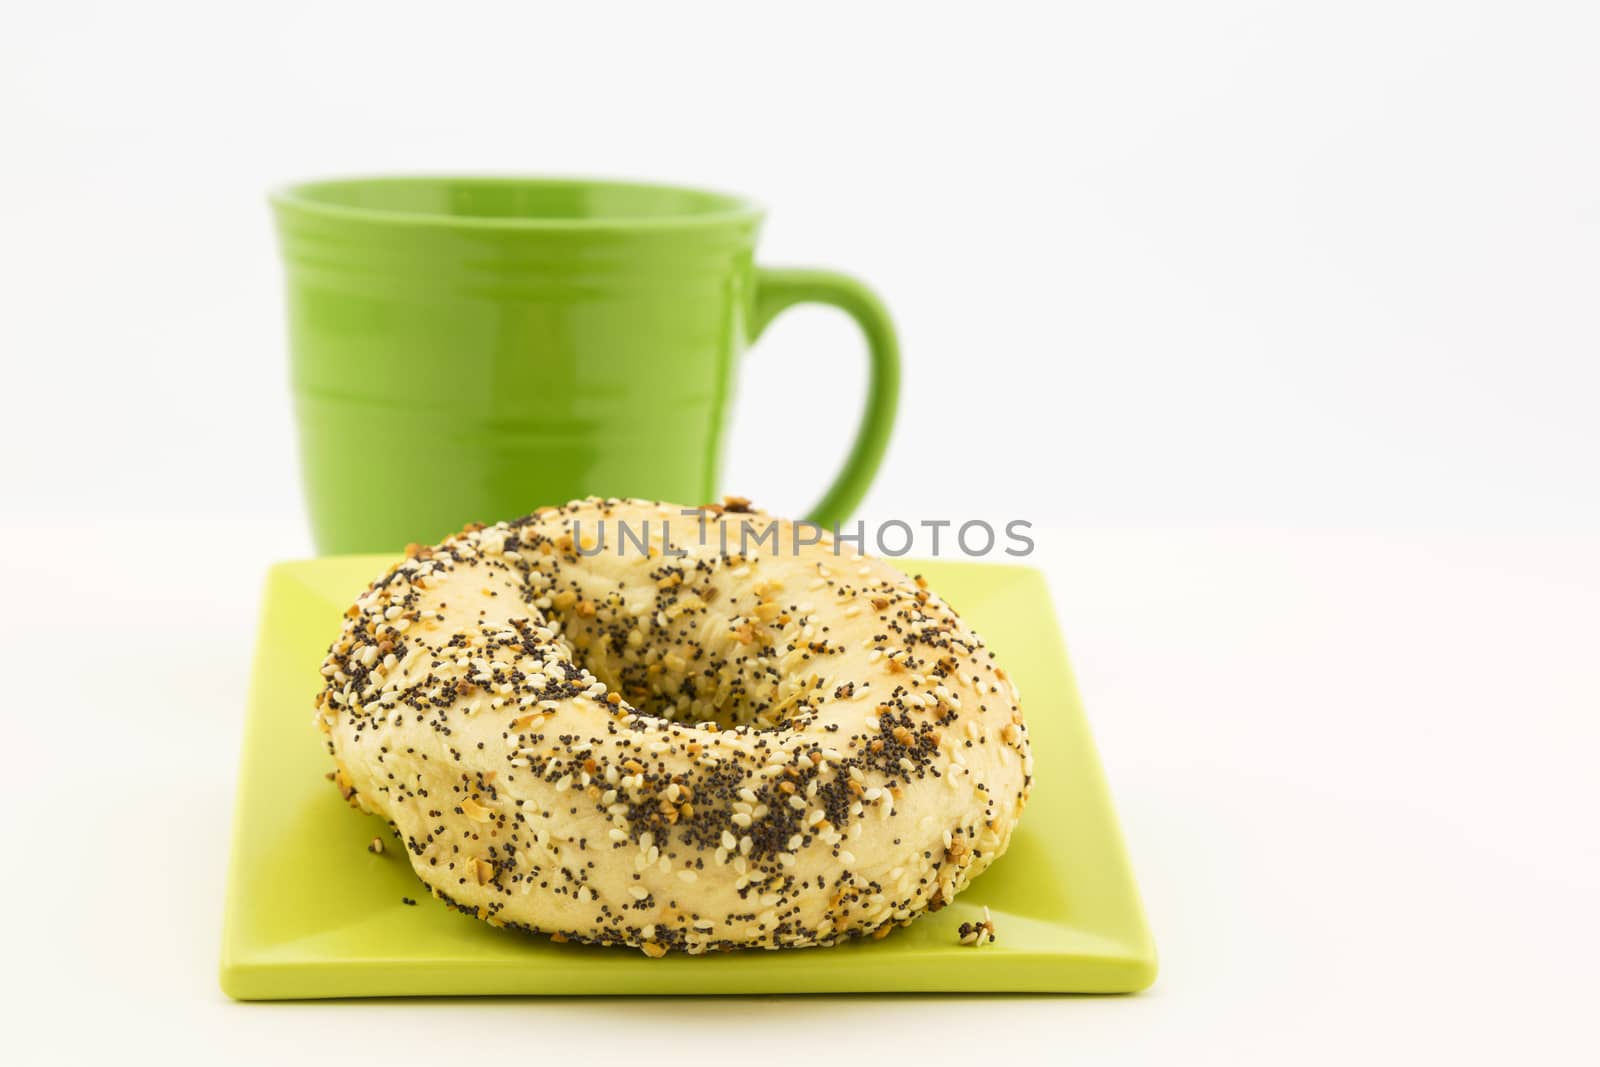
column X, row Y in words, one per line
column 758, row 700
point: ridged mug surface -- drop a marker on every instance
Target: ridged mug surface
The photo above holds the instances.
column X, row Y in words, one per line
column 470, row 349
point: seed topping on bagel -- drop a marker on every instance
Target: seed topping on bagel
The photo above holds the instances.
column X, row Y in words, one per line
column 691, row 749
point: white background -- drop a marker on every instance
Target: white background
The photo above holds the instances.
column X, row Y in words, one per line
column 1278, row 320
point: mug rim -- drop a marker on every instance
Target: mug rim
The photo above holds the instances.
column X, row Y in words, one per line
column 296, row 195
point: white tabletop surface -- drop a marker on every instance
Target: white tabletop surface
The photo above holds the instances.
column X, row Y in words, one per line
column 1355, row 771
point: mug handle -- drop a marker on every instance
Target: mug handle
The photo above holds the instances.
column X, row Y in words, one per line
column 778, row 290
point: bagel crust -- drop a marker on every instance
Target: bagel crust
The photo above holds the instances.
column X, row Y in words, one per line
column 701, row 744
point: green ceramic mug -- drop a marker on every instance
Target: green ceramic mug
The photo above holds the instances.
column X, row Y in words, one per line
column 469, row 349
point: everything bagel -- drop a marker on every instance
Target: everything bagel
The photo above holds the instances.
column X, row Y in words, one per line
column 672, row 740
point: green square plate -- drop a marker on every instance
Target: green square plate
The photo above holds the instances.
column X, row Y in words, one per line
column 311, row 913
